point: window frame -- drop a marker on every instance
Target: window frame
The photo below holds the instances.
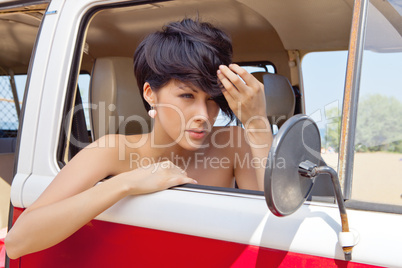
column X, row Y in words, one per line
column 72, row 87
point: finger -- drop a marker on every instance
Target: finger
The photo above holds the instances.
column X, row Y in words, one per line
column 228, row 86
column 248, row 78
column 175, row 181
column 228, row 97
column 233, row 78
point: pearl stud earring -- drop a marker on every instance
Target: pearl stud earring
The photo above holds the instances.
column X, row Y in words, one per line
column 152, row 112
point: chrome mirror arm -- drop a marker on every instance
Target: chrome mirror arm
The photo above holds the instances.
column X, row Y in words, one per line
column 309, row 169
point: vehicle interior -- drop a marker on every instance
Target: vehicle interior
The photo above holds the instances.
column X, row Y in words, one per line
column 263, row 34
column 261, row 37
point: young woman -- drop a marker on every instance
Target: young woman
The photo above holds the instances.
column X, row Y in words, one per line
column 185, row 76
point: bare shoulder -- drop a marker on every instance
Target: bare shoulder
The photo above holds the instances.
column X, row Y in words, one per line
column 96, row 161
column 114, row 149
column 110, row 141
column 113, row 142
column 105, row 147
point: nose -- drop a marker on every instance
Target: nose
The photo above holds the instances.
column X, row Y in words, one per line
column 201, row 112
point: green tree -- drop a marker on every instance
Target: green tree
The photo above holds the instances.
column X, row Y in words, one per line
column 333, row 128
column 378, row 128
column 379, row 124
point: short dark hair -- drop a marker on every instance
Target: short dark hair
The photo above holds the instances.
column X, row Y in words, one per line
column 189, row 51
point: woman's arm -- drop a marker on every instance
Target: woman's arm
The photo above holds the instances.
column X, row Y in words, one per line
column 245, row 164
column 71, row 201
column 247, row 100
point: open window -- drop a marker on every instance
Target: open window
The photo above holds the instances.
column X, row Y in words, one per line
column 110, row 33
column 105, row 47
column 378, row 143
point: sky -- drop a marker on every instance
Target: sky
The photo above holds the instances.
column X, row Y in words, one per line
column 324, row 81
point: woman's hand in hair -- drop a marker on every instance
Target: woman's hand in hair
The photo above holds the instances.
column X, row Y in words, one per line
column 244, row 93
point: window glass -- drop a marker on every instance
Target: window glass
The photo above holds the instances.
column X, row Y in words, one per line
column 20, row 81
column 324, row 81
column 223, row 120
column 265, row 68
column 8, row 112
column 377, row 173
column 76, row 139
column 83, row 85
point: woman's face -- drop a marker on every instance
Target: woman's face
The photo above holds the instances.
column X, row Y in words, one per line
column 185, row 115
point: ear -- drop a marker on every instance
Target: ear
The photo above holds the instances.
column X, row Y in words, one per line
column 148, row 94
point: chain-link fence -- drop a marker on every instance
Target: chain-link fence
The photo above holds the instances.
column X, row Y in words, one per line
column 8, row 112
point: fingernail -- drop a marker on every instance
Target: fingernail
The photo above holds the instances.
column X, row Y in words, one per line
column 219, row 72
column 221, row 66
column 196, row 182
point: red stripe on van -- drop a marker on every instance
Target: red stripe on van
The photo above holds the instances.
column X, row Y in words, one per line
column 105, row 244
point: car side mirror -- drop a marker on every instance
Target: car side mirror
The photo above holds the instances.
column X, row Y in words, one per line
column 291, row 170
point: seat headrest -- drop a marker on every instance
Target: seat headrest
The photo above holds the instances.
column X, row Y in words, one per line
column 259, row 76
column 117, row 103
column 279, row 95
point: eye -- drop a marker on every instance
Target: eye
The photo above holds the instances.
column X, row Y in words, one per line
column 211, row 98
column 187, row 96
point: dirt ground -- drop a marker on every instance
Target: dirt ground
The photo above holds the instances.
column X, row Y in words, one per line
column 377, row 177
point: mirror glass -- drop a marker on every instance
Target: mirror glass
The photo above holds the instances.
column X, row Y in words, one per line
column 297, row 140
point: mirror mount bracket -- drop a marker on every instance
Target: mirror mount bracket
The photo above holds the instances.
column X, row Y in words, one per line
column 347, row 250
column 310, row 170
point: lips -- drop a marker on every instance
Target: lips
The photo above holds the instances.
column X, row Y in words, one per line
column 196, row 133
